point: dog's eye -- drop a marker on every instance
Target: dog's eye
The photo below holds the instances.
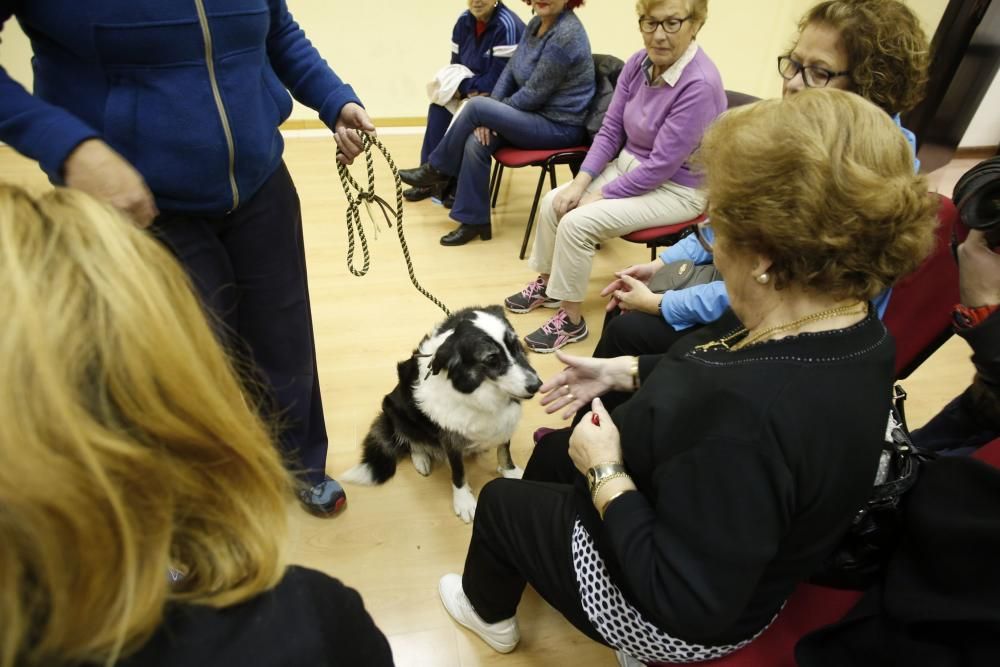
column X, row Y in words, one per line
column 494, row 359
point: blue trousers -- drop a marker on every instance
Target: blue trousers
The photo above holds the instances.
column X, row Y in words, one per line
column 438, row 119
column 249, row 268
column 461, row 155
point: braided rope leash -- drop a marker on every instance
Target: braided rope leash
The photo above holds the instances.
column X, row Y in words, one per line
column 367, row 197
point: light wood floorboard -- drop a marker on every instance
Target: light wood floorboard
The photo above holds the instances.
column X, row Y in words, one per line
column 394, row 542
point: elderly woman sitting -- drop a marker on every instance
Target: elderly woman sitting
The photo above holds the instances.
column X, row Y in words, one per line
column 674, row 528
column 636, row 174
column 482, row 42
column 540, row 101
column 875, row 48
column 143, row 504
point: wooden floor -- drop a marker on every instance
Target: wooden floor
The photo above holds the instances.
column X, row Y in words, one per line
column 394, row 542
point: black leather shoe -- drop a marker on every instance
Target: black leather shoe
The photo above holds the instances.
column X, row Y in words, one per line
column 466, row 233
column 325, row 499
column 423, row 176
column 417, row 194
column 449, row 200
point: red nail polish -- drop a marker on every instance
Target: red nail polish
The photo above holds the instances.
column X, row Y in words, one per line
column 595, row 419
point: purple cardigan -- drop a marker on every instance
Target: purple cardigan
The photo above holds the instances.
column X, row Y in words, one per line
column 661, row 126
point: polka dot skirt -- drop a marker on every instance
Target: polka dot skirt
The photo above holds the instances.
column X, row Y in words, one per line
column 621, row 625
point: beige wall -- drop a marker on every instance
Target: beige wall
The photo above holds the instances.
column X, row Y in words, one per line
column 389, row 49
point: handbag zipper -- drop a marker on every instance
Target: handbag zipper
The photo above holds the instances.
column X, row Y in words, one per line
column 210, row 62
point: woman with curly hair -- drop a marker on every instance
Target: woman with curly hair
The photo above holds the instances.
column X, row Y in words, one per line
column 675, row 527
column 875, row 48
column 540, row 101
column 142, row 501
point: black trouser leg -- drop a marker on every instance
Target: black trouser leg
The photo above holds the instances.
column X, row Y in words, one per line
column 523, row 534
column 249, row 267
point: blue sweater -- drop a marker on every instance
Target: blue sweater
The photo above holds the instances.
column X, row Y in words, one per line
column 551, row 75
column 490, row 53
column 136, row 74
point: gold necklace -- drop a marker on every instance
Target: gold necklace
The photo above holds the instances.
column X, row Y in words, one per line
column 830, row 313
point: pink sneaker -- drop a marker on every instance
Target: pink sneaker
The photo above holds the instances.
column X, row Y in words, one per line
column 529, row 298
column 556, row 333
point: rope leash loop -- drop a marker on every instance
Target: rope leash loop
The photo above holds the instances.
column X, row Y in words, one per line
column 367, row 197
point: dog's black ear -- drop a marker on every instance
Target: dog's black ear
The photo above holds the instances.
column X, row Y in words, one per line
column 447, row 355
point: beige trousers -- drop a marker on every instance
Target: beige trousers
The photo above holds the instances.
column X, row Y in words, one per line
column 564, row 249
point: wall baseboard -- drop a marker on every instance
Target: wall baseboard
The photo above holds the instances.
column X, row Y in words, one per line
column 975, row 152
column 317, row 124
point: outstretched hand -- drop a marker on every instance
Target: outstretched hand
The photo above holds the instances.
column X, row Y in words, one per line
column 582, row 380
column 352, row 117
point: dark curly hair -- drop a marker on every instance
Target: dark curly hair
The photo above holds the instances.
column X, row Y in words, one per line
column 887, row 49
column 570, row 4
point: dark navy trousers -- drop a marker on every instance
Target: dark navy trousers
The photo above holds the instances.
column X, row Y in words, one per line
column 249, row 268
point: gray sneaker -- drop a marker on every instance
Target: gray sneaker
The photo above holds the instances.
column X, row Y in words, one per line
column 556, row 333
column 529, row 298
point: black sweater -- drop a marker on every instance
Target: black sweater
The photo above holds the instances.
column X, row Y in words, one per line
column 750, row 465
column 307, row 620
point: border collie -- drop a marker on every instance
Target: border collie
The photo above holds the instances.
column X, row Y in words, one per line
column 459, row 393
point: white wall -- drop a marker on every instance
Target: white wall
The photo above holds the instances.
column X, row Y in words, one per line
column 984, row 130
column 388, row 49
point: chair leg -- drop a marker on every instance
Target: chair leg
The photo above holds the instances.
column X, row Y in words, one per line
column 652, row 251
column 495, row 189
column 531, row 216
column 552, row 175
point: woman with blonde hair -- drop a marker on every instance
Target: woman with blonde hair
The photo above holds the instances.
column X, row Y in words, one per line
column 675, row 527
column 129, row 451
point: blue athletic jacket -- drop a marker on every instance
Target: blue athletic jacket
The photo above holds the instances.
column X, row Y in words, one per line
column 488, row 55
column 191, row 92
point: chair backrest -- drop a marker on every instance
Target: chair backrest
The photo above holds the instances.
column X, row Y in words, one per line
column 735, row 99
column 919, row 310
column 606, row 70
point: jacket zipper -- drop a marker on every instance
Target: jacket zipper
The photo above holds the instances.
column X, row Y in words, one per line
column 207, row 35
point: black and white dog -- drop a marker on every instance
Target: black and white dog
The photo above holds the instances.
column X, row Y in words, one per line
column 459, row 393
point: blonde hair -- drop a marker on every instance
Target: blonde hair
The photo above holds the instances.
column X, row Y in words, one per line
column 822, row 183
column 126, row 441
column 698, row 9
column 887, row 50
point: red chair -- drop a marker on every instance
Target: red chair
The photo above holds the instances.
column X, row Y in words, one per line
column 548, row 160
column 664, row 235
column 919, row 311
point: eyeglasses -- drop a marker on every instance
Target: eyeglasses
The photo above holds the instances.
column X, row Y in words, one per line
column 812, row 76
column 706, row 237
column 670, row 25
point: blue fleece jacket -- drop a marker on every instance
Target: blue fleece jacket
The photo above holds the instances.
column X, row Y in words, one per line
column 487, row 54
column 203, row 131
column 551, row 75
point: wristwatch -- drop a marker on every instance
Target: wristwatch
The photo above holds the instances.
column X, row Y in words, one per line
column 603, row 472
column 966, row 318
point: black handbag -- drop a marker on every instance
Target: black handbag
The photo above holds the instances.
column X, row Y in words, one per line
column 860, row 558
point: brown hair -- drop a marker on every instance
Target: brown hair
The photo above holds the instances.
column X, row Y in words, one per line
column 887, row 50
column 570, row 4
column 698, row 9
column 822, row 183
column 126, row 441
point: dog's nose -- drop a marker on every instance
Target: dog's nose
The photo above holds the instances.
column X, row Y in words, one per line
column 534, row 384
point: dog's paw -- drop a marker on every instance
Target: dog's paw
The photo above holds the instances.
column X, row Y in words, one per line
column 359, row 474
column 511, row 473
column 464, row 503
column 422, row 462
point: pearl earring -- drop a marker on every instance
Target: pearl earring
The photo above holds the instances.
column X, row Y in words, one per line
column 763, row 279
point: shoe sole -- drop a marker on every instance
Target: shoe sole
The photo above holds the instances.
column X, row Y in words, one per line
column 521, row 311
column 550, row 350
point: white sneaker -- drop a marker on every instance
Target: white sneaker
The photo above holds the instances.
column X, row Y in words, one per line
column 502, row 637
column 625, row 660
